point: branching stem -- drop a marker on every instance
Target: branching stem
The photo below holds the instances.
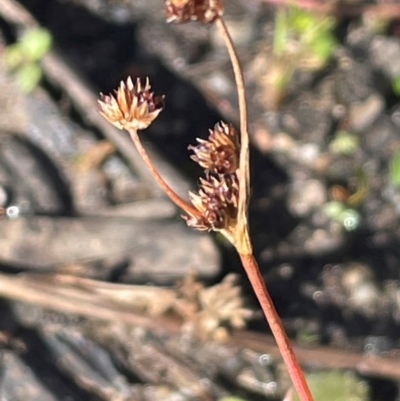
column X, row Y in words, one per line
column 187, row 207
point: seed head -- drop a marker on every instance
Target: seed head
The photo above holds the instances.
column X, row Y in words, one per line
column 205, row 11
column 219, row 154
column 216, row 201
column 134, row 107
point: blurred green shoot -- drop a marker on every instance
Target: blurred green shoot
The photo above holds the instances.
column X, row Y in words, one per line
column 307, row 336
column 394, row 169
column 302, row 40
column 23, row 57
column 347, row 217
column 337, row 386
column 312, row 33
column 396, row 85
column 344, row 143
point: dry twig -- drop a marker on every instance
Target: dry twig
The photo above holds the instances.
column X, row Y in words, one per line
column 98, row 300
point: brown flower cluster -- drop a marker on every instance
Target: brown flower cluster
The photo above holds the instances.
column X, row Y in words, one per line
column 217, row 197
column 205, row 11
column 220, row 152
column 134, row 106
column 211, row 312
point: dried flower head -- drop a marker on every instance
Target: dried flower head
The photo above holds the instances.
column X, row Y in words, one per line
column 211, row 312
column 219, row 154
column 205, row 11
column 216, row 201
column 134, row 106
column 225, row 303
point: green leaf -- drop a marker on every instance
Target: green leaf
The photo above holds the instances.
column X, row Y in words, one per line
column 28, row 76
column 394, row 169
column 396, row 85
column 35, row 43
column 302, row 21
column 312, row 31
column 334, row 209
column 323, row 46
column 337, row 385
column 280, row 32
column 344, row 143
column 13, row 56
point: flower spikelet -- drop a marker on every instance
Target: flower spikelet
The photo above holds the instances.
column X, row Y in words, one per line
column 133, row 107
column 223, row 303
column 211, row 312
column 205, row 11
column 216, row 201
column 219, row 154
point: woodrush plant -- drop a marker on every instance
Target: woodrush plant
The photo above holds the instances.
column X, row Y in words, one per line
column 221, row 202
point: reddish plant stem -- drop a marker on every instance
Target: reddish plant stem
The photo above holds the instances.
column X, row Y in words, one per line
column 257, row 282
column 186, row 206
column 249, row 263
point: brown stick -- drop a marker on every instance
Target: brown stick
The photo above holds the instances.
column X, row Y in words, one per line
column 275, row 323
column 66, row 297
column 61, row 298
column 319, row 357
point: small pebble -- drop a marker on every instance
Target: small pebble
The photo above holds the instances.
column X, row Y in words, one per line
column 304, row 197
column 385, row 55
column 362, row 114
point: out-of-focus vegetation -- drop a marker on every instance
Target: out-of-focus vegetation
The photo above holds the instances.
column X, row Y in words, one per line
column 306, row 36
column 347, row 217
column 394, row 169
column 23, row 57
column 337, row 386
column 232, row 399
column 344, row 143
column 302, row 40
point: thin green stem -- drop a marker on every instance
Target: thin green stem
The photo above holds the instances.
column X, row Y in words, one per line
column 184, row 205
column 257, row 282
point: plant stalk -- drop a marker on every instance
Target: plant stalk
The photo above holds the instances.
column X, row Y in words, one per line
column 187, row 207
column 239, row 79
column 244, row 247
column 289, row 357
column 244, row 174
